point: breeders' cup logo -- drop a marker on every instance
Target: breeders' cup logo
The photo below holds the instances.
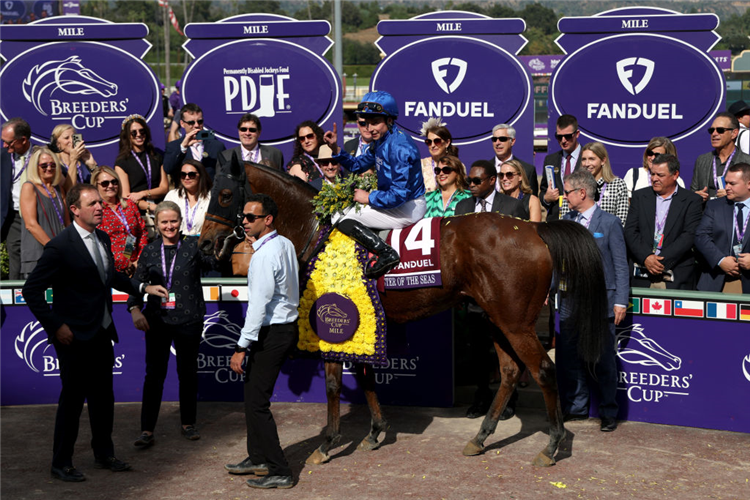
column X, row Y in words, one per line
column 69, row 76
column 440, row 72
column 746, row 367
column 331, row 314
column 219, row 332
column 635, row 348
column 31, row 346
column 626, row 74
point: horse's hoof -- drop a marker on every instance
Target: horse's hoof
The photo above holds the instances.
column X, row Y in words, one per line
column 471, row 449
column 317, row 458
column 368, row 445
column 543, row 460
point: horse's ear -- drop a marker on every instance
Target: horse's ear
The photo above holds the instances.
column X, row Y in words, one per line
column 235, row 167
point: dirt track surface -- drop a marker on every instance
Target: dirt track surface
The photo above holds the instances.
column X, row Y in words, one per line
column 420, row 458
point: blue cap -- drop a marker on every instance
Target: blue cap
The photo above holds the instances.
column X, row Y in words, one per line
column 378, row 103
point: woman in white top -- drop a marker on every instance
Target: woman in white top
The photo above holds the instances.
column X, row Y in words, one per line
column 192, row 195
column 640, row 177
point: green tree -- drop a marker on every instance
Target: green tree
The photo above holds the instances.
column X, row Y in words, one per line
column 501, row 11
column 261, row 7
column 468, row 7
column 540, row 17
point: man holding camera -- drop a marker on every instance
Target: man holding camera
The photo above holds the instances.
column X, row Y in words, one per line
column 197, row 144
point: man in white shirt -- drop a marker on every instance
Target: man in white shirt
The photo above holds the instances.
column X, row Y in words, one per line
column 266, row 338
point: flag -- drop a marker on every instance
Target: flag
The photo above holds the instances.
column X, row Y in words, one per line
column 234, row 293
column 6, row 297
column 118, row 296
column 745, row 312
column 688, row 308
column 662, row 307
column 18, row 296
column 172, row 17
column 721, row 310
column 211, row 293
column 635, row 305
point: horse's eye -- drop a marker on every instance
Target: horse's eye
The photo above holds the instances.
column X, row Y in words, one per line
column 225, row 197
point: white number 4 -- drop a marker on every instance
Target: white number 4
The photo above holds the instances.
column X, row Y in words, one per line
column 420, row 238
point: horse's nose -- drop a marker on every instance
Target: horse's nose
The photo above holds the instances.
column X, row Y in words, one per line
column 206, row 246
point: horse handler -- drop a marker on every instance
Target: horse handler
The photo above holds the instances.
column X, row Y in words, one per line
column 399, row 199
column 269, row 333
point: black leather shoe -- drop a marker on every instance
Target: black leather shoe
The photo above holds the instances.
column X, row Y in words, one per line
column 574, row 417
column 111, row 463
column 387, row 257
column 68, row 474
column 144, row 440
column 191, row 433
column 268, row 482
column 609, row 424
column 508, row 413
column 247, row 467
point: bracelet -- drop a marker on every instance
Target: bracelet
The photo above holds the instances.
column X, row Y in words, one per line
column 130, row 309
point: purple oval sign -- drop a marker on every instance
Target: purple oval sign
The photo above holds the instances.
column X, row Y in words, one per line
column 91, row 85
column 472, row 84
column 334, row 318
column 626, row 89
column 280, row 82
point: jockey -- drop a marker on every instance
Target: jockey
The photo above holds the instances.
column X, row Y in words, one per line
column 399, row 199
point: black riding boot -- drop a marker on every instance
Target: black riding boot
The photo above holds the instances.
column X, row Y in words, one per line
column 387, row 257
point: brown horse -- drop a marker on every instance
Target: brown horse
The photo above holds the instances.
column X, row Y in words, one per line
column 506, row 265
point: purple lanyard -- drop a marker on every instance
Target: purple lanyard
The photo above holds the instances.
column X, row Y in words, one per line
column 266, row 241
column 446, row 205
column 316, row 165
column 648, row 176
column 57, row 209
column 585, row 222
column 729, row 162
column 741, row 235
column 168, row 277
column 601, row 195
column 253, row 155
column 121, row 216
column 520, row 195
column 25, row 164
column 147, row 172
column 78, row 172
column 660, row 225
column 190, row 216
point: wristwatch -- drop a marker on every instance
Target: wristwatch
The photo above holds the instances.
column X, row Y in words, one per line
column 130, row 309
column 238, row 348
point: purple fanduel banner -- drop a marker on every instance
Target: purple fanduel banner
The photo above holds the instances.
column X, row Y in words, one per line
column 269, row 65
column 83, row 71
column 635, row 73
column 463, row 68
column 30, row 373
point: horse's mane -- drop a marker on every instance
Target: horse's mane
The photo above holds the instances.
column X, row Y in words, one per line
column 288, row 180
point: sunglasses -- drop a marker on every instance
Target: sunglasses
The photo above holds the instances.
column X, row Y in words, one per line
column 650, row 152
column 508, row 175
column 567, row 137
column 248, row 129
column 193, row 122
column 189, row 175
column 48, row 166
column 136, row 133
column 304, row 137
column 105, row 184
column 325, row 163
column 444, row 170
column 362, row 123
column 568, row 191
column 719, row 130
column 370, row 106
column 501, row 139
column 437, row 141
column 476, row 180
column 252, row 217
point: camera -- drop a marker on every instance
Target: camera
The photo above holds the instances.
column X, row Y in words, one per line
column 204, row 134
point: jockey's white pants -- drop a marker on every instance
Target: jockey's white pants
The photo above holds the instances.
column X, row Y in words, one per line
column 387, row 218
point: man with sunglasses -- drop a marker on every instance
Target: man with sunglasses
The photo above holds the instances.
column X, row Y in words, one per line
column 190, row 146
column 710, row 167
column 564, row 162
column 741, row 111
column 503, row 139
column 399, row 199
column 358, row 145
column 14, row 158
column 248, row 131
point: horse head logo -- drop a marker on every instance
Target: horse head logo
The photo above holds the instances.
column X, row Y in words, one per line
column 440, row 72
column 635, row 348
column 31, row 338
column 69, row 76
column 223, row 333
column 331, row 311
column 626, row 74
column 746, row 367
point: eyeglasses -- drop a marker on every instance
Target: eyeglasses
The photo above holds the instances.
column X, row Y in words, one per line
column 136, row 133
column 189, row 175
column 248, row 129
column 193, row 122
column 502, row 138
column 567, row 137
column 476, row 180
column 509, row 175
column 304, row 137
column 105, row 184
column 48, row 166
column 719, row 130
column 252, row 217
column 444, row 170
column 568, row 191
column 438, row 141
column 370, row 106
column 325, row 163
column 362, row 123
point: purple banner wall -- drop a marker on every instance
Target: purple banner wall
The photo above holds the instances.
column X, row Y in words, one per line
column 635, row 73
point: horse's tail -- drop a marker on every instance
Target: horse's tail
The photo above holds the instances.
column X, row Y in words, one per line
column 576, row 260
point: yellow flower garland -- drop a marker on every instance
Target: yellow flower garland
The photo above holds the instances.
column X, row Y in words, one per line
column 338, row 271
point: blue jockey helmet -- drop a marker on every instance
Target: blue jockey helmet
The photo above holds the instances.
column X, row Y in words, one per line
column 378, row 103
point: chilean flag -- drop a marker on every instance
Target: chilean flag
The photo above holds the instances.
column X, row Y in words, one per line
column 688, row 308
column 662, row 307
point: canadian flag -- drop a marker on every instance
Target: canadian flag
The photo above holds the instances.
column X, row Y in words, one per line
column 172, row 17
column 661, row 307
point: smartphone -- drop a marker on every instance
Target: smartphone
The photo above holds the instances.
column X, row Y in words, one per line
column 77, row 138
column 204, row 134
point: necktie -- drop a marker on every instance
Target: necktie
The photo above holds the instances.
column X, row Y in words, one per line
column 106, row 319
column 567, row 166
column 197, row 151
column 483, row 204
column 740, row 223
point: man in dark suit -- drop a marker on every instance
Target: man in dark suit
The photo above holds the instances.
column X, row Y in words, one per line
column 710, row 166
column 722, row 237
column 79, row 266
column 357, row 146
column 564, row 162
column 503, row 139
column 248, row 130
column 14, row 158
column 660, row 229
column 190, row 146
column 580, row 190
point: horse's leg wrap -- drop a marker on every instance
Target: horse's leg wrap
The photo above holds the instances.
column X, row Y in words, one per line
column 387, row 257
column 378, row 424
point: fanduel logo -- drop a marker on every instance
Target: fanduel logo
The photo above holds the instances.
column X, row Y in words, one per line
column 440, row 72
column 626, row 74
column 256, row 90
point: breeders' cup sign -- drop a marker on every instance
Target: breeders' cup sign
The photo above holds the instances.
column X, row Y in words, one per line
column 268, row 65
column 637, row 73
column 461, row 67
column 72, row 70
